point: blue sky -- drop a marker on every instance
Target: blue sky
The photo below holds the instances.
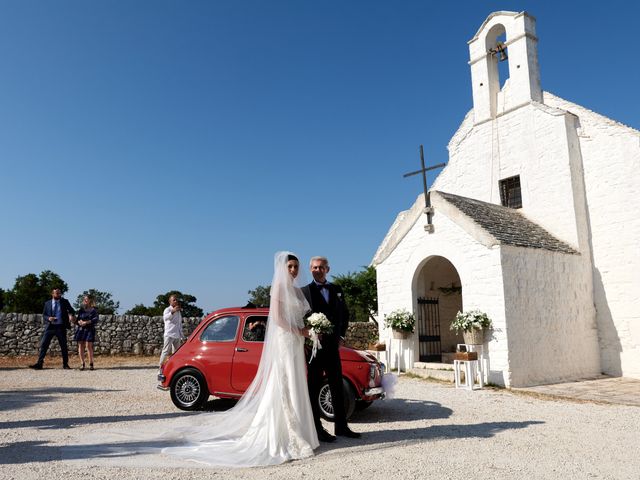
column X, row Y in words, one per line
column 147, row 146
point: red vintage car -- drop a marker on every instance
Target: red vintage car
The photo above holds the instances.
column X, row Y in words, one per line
column 221, row 357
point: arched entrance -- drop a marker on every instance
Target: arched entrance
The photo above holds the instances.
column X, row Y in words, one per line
column 438, row 299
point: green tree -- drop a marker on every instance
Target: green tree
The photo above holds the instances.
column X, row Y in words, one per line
column 140, row 309
column 2, row 293
column 30, row 291
column 103, row 301
column 260, row 296
column 360, row 292
column 26, row 295
column 50, row 280
column 189, row 309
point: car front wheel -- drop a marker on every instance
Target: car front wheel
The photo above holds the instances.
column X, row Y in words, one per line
column 326, row 406
column 189, row 390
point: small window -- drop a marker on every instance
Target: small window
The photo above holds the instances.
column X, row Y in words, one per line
column 510, row 193
column 221, row 330
column 254, row 329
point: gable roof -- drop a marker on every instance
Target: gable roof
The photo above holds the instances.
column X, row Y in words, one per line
column 507, row 225
column 488, row 223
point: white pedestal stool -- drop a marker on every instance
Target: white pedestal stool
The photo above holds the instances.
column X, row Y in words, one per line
column 472, row 369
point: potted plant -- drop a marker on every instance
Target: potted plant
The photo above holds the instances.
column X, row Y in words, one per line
column 401, row 322
column 472, row 324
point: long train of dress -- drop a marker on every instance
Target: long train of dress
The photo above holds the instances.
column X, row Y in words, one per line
column 271, row 424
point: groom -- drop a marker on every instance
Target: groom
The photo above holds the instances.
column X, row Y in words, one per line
column 327, row 298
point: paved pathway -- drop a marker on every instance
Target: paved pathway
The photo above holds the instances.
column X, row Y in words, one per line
column 602, row 389
column 618, row 390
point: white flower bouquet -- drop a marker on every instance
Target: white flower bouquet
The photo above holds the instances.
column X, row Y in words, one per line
column 400, row 320
column 470, row 320
column 319, row 323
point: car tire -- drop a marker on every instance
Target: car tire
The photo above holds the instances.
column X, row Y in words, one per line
column 189, row 390
column 324, row 400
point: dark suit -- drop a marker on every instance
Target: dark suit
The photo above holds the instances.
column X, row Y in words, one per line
column 328, row 358
column 56, row 330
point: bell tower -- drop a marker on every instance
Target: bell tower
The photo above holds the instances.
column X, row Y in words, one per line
column 519, row 49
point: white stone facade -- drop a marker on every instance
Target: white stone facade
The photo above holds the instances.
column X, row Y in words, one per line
column 611, row 162
column 551, row 326
column 477, row 266
column 557, row 316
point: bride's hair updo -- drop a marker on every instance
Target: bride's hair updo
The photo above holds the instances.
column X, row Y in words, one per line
column 292, row 257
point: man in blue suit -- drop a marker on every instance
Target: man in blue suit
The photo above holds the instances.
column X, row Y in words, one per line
column 56, row 317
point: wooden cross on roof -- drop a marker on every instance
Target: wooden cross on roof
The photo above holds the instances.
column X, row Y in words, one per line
column 427, row 201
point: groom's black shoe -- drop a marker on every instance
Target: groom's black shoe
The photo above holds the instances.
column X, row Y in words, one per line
column 347, row 432
column 324, row 436
column 36, row 366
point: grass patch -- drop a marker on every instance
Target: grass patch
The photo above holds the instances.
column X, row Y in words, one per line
column 427, row 378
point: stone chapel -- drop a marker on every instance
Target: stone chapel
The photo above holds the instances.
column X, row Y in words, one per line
column 535, row 221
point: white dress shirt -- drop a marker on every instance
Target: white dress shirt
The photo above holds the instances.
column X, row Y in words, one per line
column 172, row 323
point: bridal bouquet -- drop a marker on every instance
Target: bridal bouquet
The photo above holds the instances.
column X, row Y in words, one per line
column 318, row 324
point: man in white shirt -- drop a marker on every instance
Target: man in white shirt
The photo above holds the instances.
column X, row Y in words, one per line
column 172, row 328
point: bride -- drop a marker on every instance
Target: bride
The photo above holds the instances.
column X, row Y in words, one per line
column 272, row 422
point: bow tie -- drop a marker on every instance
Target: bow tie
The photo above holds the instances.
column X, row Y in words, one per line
column 323, row 285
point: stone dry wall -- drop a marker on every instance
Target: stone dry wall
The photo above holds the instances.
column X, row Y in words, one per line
column 361, row 334
column 121, row 334
column 116, row 334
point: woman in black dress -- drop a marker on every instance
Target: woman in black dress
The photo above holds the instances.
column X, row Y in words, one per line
column 86, row 329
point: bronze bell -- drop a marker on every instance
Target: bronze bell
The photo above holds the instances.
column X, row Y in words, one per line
column 502, row 49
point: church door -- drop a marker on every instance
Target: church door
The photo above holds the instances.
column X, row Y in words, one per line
column 429, row 330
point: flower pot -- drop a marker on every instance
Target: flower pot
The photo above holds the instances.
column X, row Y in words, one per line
column 401, row 334
column 474, row 337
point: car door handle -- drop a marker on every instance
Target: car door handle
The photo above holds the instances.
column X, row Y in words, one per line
column 239, row 349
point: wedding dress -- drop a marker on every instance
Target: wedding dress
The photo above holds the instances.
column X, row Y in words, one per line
column 272, row 422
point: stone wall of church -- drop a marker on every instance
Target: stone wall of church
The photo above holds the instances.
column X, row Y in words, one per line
column 530, row 142
column 611, row 162
column 580, row 180
column 479, row 270
column 551, row 325
column 580, row 177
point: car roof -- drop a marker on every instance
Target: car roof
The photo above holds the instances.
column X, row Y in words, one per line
column 240, row 311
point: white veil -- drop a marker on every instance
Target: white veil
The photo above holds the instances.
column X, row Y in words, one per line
column 288, row 303
column 272, row 422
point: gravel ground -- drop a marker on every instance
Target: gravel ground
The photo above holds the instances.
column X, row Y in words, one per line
column 52, row 424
